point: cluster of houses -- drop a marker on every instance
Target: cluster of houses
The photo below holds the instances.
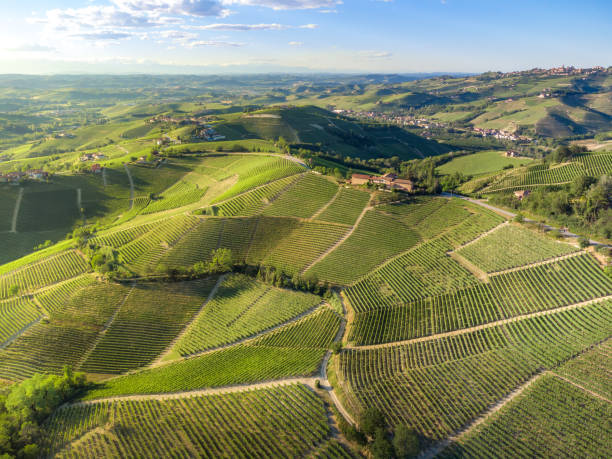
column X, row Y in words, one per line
column 389, row 181
column 499, row 134
column 92, row 157
column 426, row 124
column 208, row 133
column 16, row 177
column 200, row 120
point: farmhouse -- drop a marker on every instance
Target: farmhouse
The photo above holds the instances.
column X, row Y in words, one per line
column 360, row 179
column 390, row 181
column 96, row 168
column 521, row 194
column 512, row 154
column 37, row 174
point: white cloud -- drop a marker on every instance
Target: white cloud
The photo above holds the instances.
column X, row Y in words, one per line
column 241, row 27
column 295, row 43
column 286, row 4
column 375, row 54
column 176, row 7
column 309, row 26
column 200, row 43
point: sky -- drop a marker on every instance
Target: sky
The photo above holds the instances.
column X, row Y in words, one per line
column 301, row 36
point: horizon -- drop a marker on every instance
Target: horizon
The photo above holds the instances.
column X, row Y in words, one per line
column 204, row 37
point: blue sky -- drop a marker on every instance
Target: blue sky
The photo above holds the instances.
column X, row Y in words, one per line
column 224, row 36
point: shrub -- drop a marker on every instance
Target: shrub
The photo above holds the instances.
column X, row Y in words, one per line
column 336, row 347
column 405, row 442
column 371, row 420
column 381, row 447
column 583, row 242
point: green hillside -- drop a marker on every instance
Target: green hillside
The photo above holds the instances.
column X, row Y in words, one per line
column 250, row 297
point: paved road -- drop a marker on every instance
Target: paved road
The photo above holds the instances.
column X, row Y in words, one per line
column 509, row 214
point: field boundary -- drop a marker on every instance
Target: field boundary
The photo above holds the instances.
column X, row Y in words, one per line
column 483, row 326
column 326, row 205
column 538, row 263
column 102, row 332
column 366, row 209
column 129, row 176
column 189, row 325
column 575, row 384
column 16, row 211
column 435, row 450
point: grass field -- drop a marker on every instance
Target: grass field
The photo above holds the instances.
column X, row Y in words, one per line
column 481, row 163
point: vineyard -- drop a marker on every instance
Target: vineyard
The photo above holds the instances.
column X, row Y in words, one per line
column 178, row 195
column 241, row 308
column 440, row 385
column 308, row 195
column 346, row 207
column 592, row 164
column 511, row 246
column 45, row 272
column 259, row 360
column 530, row 426
column 286, row 421
column 569, row 281
column 376, row 238
column 483, row 336
column 145, row 324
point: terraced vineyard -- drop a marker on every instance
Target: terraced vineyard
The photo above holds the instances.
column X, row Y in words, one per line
column 178, row 195
column 346, row 207
column 376, row 238
column 45, row 272
column 511, row 246
column 307, row 196
column 254, row 201
column 15, row 315
column 538, row 288
column 145, row 324
column 260, row 360
column 288, row 421
column 241, row 308
column 592, row 164
column 439, row 386
column 530, row 425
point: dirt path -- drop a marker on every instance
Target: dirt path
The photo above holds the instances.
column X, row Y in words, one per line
column 565, row 234
column 16, row 335
column 324, row 208
column 196, row 393
column 129, row 175
column 244, row 340
column 339, row 242
column 588, row 391
column 483, row 326
column 471, row 267
column 189, row 325
column 486, row 233
column 16, row 211
column 435, row 450
column 538, row 263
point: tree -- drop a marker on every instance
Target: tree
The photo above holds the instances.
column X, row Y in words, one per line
column 372, row 419
column 221, row 261
column 14, row 290
column 336, row 347
column 381, row 447
column 405, row 442
column 583, row 242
